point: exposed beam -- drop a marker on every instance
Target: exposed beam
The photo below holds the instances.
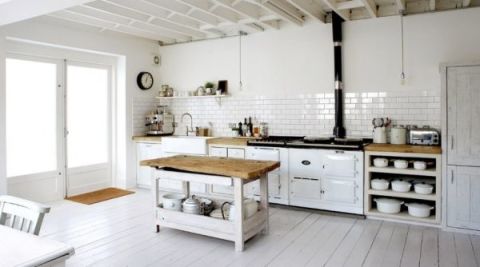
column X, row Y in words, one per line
column 401, row 5
column 15, row 11
column 350, row 4
column 431, row 5
column 466, row 3
column 278, row 11
column 310, row 8
column 103, row 25
column 371, row 8
column 244, row 10
column 332, row 4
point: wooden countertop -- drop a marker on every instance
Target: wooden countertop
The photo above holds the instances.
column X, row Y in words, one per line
column 404, row 148
column 245, row 169
column 232, row 141
column 147, row 139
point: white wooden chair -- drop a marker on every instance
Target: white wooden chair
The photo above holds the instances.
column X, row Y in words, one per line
column 22, row 214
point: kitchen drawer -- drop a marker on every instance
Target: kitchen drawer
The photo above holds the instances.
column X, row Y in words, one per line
column 221, row 190
column 175, row 185
column 237, row 153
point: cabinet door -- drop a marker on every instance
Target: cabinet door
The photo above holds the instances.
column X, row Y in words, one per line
column 340, row 164
column 146, row 151
column 463, row 187
column 340, row 191
column 305, row 188
column 463, row 92
column 236, row 153
column 215, row 151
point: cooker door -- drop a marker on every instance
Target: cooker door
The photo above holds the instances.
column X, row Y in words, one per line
column 337, row 190
column 305, row 188
column 340, row 164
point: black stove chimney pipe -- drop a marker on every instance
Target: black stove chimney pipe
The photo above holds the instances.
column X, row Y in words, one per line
column 339, row 129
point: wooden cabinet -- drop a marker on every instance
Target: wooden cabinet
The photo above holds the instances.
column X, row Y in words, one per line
column 463, row 190
column 146, row 151
column 463, row 114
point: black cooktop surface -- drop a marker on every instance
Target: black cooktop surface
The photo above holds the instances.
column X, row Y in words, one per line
column 312, row 142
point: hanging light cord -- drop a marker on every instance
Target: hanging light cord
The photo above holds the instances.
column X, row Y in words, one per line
column 240, row 57
column 402, row 75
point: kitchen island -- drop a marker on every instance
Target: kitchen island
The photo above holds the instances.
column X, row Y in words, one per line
column 217, row 171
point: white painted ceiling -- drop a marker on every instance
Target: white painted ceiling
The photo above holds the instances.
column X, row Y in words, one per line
column 173, row 21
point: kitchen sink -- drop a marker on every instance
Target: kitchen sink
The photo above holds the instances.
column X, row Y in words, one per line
column 182, row 144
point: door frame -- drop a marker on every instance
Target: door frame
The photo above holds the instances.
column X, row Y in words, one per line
column 110, row 112
column 443, row 68
column 60, row 130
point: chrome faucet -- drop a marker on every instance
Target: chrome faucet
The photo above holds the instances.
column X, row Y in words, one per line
column 188, row 130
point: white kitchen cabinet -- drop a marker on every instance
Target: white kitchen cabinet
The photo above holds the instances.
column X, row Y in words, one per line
column 463, row 113
column 146, row 151
column 219, row 151
column 463, row 200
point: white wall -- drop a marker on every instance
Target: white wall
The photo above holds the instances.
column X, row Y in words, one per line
column 298, row 60
column 134, row 55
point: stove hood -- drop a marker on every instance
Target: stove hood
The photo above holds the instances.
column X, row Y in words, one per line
column 339, row 129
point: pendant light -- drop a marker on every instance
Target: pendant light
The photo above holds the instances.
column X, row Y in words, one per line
column 402, row 75
column 240, row 33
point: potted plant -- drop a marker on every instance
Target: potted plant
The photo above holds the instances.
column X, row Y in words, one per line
column 209, row 88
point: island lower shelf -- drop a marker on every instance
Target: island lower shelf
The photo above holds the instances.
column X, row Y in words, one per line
column 209, row 226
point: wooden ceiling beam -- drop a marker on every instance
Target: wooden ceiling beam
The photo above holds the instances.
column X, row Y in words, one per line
column 309, row 8
column 350, row 4
column 332, row 4
column 371, row 8
column 401, row 6
column 246, row 11
column 273, row 8
column 466, row 3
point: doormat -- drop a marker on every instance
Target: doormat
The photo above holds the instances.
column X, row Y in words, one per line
column 100, row 195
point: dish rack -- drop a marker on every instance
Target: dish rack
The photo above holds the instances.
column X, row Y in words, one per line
column 430, row 175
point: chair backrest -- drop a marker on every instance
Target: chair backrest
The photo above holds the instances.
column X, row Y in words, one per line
column 22, row 214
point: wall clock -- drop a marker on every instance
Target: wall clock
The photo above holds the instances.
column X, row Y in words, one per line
column 145, row 80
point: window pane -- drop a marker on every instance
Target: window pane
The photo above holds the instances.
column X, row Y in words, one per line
column 87, row 116
column 31, row 117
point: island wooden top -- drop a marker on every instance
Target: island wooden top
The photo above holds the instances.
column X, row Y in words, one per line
column 404, row 148
column 241, row 168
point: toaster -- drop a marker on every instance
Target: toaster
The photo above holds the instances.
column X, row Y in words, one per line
column 424, row 136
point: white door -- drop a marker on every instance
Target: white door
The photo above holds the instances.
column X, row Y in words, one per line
column 463, row 90
column 88, row 123
column 463, row 187
column 34, row 128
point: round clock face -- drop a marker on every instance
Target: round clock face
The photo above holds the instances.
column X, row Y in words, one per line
column 145, row 80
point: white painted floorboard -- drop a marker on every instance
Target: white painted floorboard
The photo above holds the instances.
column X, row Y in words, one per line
column 120, row 232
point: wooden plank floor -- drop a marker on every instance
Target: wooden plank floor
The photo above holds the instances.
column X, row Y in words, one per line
column 120, row 232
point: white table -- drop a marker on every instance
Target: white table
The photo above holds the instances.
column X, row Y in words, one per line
column 22, row 249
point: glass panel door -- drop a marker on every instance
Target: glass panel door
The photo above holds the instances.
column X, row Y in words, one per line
column 34, row 127
column 88, row 126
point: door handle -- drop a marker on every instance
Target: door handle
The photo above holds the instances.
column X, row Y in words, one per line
column 451, row 178
column 451, row 142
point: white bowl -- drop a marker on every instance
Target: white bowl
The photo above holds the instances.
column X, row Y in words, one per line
column 401, row 186
column 400, row 164
column 419, row 165
column 379, row 184
column 425, row 189
column 380, row 162
column 173, row 201
column 419, row 210
column 388, row 205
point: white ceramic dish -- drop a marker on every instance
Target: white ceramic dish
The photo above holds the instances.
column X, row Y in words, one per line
column 419, row 210
column 401, row 186
column 400, row 164
column 388, row 205
column 419, row 165
column 424, row 189
column 379, row 184
column 173, row 201
column 380, row 162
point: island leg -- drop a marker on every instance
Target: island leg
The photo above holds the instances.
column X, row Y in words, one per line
column 155, row 195
column 239, row 217
column 264, row 199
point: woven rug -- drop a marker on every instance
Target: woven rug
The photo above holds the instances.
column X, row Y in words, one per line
column 100, row 195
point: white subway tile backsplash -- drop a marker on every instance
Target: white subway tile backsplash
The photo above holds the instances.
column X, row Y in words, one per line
column 304, row 114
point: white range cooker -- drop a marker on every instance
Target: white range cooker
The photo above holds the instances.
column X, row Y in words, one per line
column 319, row 173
